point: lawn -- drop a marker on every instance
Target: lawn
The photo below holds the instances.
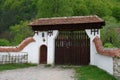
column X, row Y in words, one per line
column 14, row 66
column 92, row 73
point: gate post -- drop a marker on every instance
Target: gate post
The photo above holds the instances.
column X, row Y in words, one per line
column 93, row 51
column 51, row 47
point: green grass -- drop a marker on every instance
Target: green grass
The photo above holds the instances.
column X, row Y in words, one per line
column 92, row 73
column 48, row 65
column 14, row 66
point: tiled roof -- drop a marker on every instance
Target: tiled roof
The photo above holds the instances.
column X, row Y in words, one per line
column 59, row 23
column 101, row 50
column 18, row 48
column 66, row 20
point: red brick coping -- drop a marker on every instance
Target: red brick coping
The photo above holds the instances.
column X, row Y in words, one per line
column 105, row 51
column 18, row 48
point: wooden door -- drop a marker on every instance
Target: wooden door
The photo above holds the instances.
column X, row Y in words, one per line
column 43, row 55
column 72, row 47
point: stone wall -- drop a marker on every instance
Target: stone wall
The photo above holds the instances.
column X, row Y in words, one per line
column 116, row 67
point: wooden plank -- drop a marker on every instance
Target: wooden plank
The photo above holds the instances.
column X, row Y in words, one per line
column 73, row 48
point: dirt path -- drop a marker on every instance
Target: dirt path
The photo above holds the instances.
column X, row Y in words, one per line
column 38, row 73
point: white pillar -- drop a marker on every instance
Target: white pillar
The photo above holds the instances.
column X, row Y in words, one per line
column 92, row 46
column 51, row 47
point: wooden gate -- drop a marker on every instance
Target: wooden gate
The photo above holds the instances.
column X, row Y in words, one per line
column 43, row 54
column 72, row 48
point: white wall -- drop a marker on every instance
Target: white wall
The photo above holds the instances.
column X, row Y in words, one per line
column 92, row 47
column 103, row 62
column 13, row 53
column 33, row 48
column 8, row 57
column 51, row 47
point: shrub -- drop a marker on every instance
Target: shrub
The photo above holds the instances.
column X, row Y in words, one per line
column 108, row 45
column 4, row 42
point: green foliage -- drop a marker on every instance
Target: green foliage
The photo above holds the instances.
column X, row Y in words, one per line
column 80, row 8
column 92, row 73
column 109, row 34
column 13, row 12
column 48, row 65
column 108, row 45
column 117, row 40
column 116, row 12
column 4, row 42
column 54, row 8
column 20, row 32
column 14, row 66
column 98, row 7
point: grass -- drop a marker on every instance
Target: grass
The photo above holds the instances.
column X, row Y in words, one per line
column 48, row 65
column 92, row 73
column 67, row 66
column 14, row 66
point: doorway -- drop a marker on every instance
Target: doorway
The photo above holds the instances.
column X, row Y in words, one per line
column 43, row 55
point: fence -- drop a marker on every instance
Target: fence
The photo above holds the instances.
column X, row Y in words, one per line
column 6, row 59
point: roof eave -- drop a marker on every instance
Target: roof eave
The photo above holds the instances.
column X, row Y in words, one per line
column 81, row 26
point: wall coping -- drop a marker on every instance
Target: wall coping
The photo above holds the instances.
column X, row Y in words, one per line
column 18, row 48
column 112, row 52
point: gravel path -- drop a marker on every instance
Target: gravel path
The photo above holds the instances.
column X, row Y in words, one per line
column 38, row 73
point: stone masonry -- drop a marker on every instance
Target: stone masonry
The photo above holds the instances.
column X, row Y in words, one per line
column 116, row 67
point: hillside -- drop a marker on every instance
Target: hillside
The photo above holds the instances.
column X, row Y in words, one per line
column 15, row 15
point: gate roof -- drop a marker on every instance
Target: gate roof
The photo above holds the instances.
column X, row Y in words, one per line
column 67, row 23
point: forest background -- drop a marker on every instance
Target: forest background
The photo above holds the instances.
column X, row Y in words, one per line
column 16, row 14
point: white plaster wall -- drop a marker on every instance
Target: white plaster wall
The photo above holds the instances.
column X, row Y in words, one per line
column 51, row 47
column 104, row 62
column 92, row 47
column 33, row 48
column 13, row 53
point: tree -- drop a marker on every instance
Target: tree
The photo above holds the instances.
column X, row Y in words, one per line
column 116, row 12
column 4, row 42
column 109, row 34
column 80, row 8
column 19, row 32
column 54, row 8
column 15, row 11
column 98, row 7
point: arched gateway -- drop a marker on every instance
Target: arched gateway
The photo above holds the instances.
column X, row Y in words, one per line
column 67, row 39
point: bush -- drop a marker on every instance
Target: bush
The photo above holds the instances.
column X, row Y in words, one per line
column 108, row 45
column 4, row 42
column 116, row 13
